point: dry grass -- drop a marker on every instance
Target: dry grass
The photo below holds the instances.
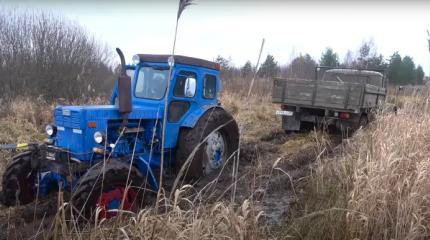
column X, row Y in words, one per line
column 372, row 186
column 190, row 215
column 377, row 186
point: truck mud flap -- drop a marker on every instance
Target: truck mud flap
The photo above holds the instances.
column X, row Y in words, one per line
column 291, row 123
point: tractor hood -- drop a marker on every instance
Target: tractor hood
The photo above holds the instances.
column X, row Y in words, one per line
column 76, row 125
column 78, row 116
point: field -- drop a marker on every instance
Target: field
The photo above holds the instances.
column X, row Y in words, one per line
column 300, row 186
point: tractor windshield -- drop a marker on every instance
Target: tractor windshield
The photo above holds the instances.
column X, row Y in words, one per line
column 151, row 83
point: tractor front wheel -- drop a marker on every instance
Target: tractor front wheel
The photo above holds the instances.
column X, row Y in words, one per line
column 206, row 148
column 110, row 192
column 18, row 185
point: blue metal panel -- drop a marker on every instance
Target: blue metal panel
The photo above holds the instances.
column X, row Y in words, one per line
column 77, row 137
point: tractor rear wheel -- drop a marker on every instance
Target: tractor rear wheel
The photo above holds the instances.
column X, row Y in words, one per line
column 213, row 141
column 18, row 185
column 110, row 194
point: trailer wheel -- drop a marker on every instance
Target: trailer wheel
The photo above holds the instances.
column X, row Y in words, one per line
column 220, row 134
column 110, row 195
column 18, row 185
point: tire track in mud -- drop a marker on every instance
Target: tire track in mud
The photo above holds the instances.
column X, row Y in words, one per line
column 269, row 167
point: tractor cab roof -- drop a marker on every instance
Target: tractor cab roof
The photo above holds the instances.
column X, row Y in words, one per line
column 162, row 58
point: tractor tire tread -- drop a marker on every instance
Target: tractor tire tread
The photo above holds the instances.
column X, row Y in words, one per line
column 20, row 163
column 83, row 195
column 190, row 138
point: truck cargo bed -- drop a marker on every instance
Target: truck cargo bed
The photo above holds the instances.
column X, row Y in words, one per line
column 325, row 94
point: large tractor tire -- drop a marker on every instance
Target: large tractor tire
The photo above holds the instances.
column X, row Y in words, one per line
column 213, row 140
column 112, row 193
column 18, row 185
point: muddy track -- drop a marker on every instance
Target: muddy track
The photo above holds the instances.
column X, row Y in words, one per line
column 268, row 169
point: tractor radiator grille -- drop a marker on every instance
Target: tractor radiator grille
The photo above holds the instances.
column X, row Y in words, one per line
column 70, row 119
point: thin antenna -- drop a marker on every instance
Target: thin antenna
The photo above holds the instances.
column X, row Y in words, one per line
column 428, row 40
column 183, row 4
column 236, row 163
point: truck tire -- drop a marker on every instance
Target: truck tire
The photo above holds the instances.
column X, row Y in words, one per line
column 362, row 122
column 91, row 192
column 18, row 185
column 211, row 155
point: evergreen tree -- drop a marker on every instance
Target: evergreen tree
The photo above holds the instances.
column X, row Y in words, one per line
column 395, row 68
column 329, row 58
column 402, row 70
column 419, row 73
column 408, row 70
column 246, row 70
column 269, row 68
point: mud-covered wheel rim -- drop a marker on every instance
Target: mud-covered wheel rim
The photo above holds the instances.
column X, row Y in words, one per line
column 114, row 199
column 215, row 152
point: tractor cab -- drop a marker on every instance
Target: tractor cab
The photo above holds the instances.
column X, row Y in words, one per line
column 194, row 82
column 125, row 139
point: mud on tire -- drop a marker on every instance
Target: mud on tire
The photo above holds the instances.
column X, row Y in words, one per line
column 86, row 195
column 19, row 181
column 189, row 139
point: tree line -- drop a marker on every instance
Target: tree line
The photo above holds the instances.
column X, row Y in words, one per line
column 399, row 70
column 46, row 55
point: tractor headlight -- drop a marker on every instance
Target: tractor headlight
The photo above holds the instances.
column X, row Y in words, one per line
column 50, row 130
column 99, row 137
column 135, row 59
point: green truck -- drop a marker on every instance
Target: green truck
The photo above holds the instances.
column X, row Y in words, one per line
column 339, row 97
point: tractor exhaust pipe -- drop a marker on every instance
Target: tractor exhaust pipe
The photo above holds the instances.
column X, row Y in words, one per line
column 124, row 90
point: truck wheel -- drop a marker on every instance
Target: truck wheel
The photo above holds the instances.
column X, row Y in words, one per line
column 18, row 185
column 91, row 192
column 219, row 146
column 363, row 121
column 306, row 127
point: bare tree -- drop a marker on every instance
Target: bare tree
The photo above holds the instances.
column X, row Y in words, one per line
column 44, row 54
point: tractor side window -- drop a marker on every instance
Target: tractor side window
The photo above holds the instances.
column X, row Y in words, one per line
column 209, row 86
column 179, row 90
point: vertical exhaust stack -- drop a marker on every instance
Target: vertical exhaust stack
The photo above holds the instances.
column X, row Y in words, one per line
column 124, row 90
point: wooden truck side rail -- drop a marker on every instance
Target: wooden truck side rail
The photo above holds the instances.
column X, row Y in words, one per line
column 326, row 94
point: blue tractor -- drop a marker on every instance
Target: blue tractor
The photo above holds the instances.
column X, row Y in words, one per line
column 108, row 155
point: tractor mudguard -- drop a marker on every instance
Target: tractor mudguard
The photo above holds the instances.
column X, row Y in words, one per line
column 191, row 119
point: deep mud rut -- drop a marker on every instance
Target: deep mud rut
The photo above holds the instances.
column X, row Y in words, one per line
column 267, row 171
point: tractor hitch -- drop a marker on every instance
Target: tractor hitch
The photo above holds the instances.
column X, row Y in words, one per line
column 19, row 146
column 37, row 150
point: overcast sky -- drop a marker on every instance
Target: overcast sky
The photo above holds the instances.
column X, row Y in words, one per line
column 235, row 28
